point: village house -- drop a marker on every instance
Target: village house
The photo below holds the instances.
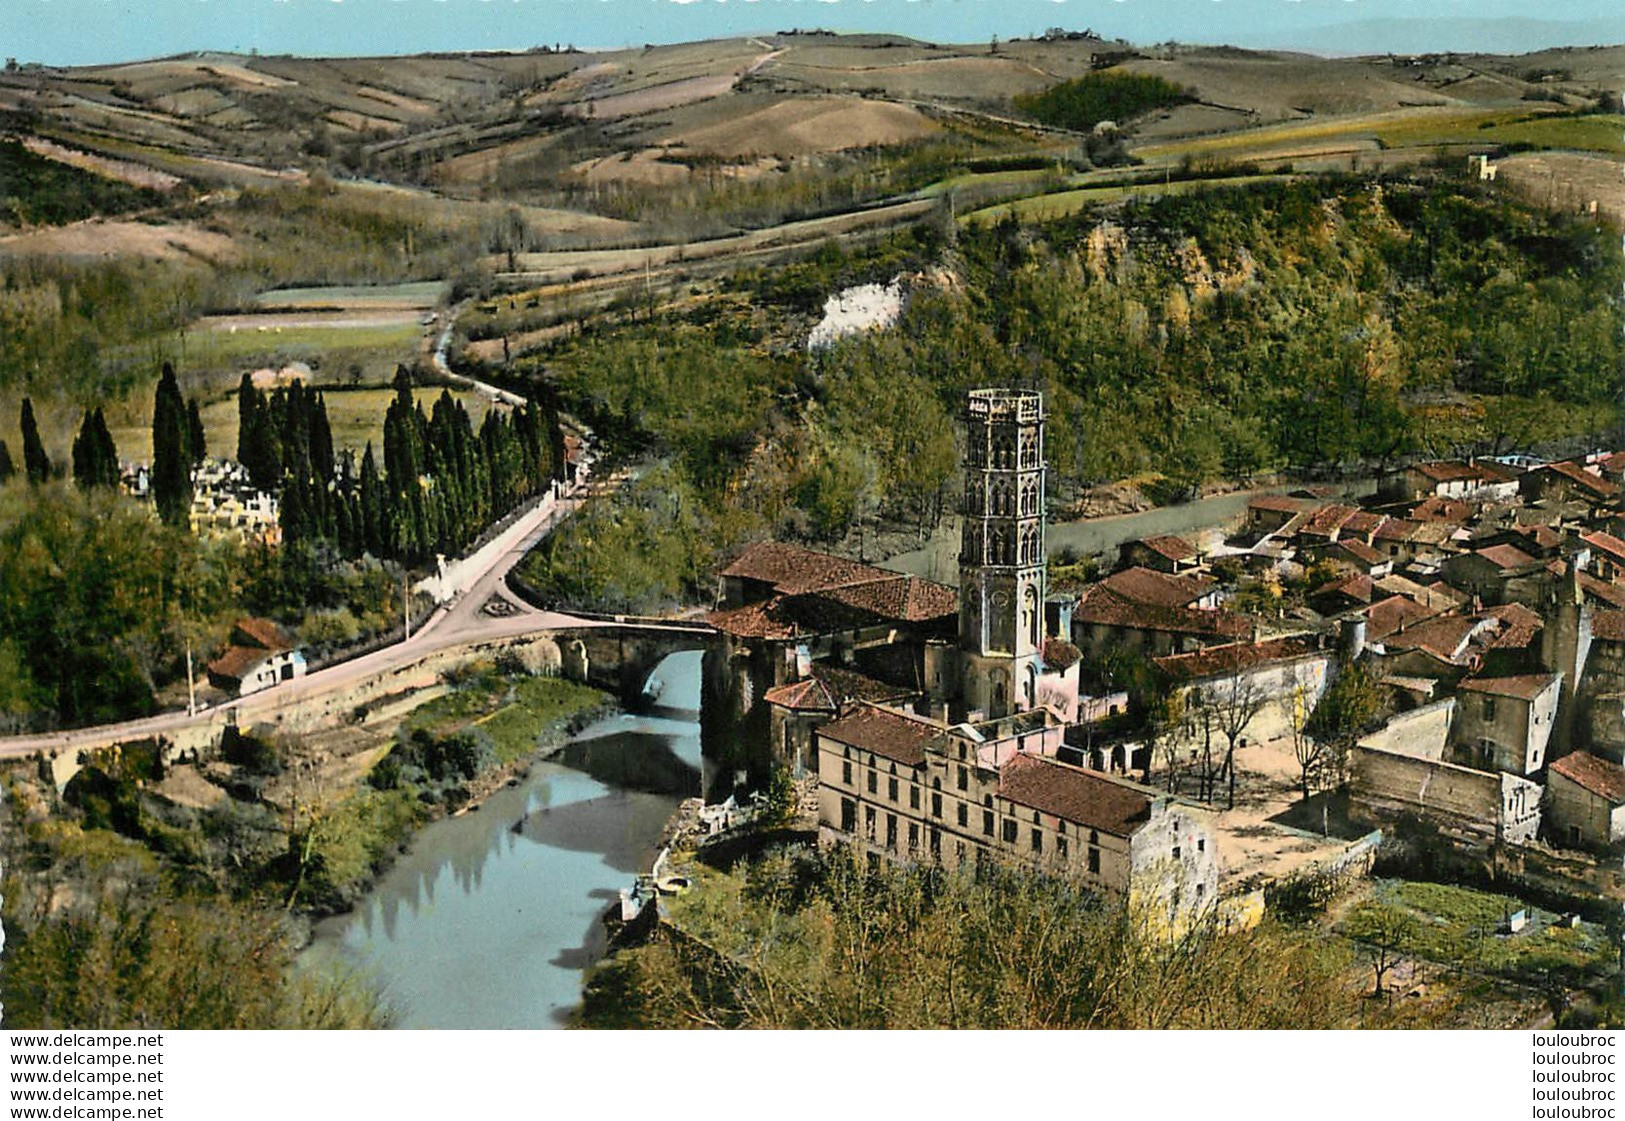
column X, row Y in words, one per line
column 1567, row 482
column 1585, row 801
column 1505, row 723
column 1172, row 555
column 260, row 655
column 1255, row 687
column 1481, row 479
column 904, row 788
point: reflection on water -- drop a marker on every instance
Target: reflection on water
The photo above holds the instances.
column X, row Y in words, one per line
column 490, row 918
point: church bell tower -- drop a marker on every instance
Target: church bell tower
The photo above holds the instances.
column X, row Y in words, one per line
column 1001, row 554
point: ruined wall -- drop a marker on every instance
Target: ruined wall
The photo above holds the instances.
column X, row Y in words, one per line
column 1474, row 808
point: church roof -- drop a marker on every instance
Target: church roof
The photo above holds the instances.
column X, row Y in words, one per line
column 792, row 570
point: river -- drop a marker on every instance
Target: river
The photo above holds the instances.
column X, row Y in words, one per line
column 490, row 919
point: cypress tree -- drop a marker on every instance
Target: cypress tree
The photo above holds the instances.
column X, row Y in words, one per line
column 95, row 459
column 372, row 505
column 197, row 443
column 248, row 406
column 35, row 461
column 7, row 468
column 171, row 466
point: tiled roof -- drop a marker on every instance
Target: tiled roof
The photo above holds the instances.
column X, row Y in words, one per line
column 1611, row 594
column 792, row 570
column 1166, row 545
column 1447, row 470
column 1100, row 608
column 803, row 696
column 1543, row 536
column 1606, row 543
column 235, row 661
column 1438, row 509
column 1593, row 484
column 1387, row 616
column 1280, row 504
column 1219, row 660
column 1397, row 529
column 262, row 633
column 884, row 732
column 1058, row 654
column 1082, row 797
column 1364, row 523
column 1326, row 521
column 1524, row 687
column 1608, row 626
column 907, row 599
column 1445, row 637
column 1506, row 556
column 1602, row 778
column 1147, row 585
column 1519, row 626
column 756, row 620
column 1360, row 551
column 1356, row 587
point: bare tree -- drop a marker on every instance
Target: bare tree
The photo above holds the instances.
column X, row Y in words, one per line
column 1306, row 749
column 1234, row 701
column 1382, row 933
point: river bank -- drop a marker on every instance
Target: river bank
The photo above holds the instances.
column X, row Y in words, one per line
column 489, row 918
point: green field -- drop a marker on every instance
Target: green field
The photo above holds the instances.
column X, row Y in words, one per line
column 332, row 347
column 421, row 294
column 1044, row 208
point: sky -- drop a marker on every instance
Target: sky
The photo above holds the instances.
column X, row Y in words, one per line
column 77, row 32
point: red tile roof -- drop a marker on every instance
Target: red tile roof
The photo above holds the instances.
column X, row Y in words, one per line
column 1612, row 594
column 884, row 732
column 1387, row 616
column 1326, row 521
column 1447, row 471
column 1085, row 798
column 1599, row 776
column 1364, row 523
column 263, row 633
column 756, row 620
column 235, row 661
column 1360, row 551
column 1605, row 543
column 1523, row 687
column 1147, row 585
column 1519, row 626
column 1166, row 545
column 1506, row 556
column 1595, row 485
column 1397, row 529
column 1608, row 626
column 1445, row 637
column 907, row 599
column 1099, row 607
column 792, row 570
column 1219, row 660
column 1439, row 509
column 1356, row 588
column 802, row 696
column 1280, row 504
column 829, row 686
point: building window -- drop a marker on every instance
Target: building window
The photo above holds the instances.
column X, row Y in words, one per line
column 963, row 815
column 1201, row 844
column 849, row 816
column 1010, row 830
column 964, row 779
column 1038, row 839
column 891, row 789
column 1176, row 852
column 1489, row 708
column 869, row 822
column 913, row 796
column 1094, row 861
column 987, row 822
column 1060, row 847
column 913, row 836
column 874, row 783
column 936, row 804
column 846, row 772
column 1060, row 826
column 936, row 841
column 1094, row 836
column 891, row 831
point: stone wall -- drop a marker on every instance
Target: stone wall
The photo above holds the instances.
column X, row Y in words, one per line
column 1477, row 809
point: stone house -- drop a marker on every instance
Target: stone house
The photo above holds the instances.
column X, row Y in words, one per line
column 1104, row 621
column 260, row 655
column 1567, row 482
column 903, row 787
column 1259, row 681
column 1585, row 801
column 1165, row 553
column 1506, row 723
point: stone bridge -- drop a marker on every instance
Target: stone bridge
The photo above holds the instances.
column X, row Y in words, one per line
column 619, row 656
